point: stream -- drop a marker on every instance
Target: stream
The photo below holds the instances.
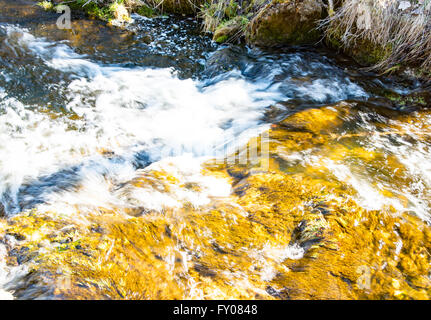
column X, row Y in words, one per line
column 85, row 111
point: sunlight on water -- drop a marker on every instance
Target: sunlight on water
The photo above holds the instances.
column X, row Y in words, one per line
column 177, row 117
column 109, row 154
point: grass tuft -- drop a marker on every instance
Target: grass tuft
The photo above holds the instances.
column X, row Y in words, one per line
column 402, row 26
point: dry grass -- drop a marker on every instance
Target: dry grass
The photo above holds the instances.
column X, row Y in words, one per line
column 385, row 24
column 171, row 6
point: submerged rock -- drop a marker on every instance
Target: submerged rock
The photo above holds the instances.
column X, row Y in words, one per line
column 288, row 225
column 289, row 22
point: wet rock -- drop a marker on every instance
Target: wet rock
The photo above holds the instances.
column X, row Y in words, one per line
column 22, row 255
column 204, row 270
column 238, row 173
column 289, row 22
column 12, row 261
column 364, row 52
column 310, row 232
column 223, row 60
column 279, row 294
column 223, row 248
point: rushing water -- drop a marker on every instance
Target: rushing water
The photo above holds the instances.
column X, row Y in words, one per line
column 83, row 111
column 177, row 94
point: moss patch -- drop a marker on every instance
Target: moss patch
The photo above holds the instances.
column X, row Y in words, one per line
column 286, row 23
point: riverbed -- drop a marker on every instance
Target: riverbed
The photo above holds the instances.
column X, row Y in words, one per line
column 115, row 177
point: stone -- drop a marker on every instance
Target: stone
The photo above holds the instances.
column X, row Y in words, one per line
column 289, row 22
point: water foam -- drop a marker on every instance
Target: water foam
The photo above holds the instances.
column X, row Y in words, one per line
column 121, row 112
column 118, row 121
column 406, row 144
column 4, row 295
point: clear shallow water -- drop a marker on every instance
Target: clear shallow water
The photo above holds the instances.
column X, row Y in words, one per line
column 102, row 110
column 83, row 113
column 88, row 108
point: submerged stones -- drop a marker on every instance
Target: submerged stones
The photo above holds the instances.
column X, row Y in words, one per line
column 292, row 225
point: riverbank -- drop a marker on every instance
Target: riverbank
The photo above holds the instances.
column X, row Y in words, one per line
column 388, row 36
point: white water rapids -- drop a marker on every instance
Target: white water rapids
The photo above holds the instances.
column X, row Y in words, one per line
column 134, row 114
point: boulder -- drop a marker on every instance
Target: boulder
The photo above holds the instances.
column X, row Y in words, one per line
column 286, row 22
column 363, row 51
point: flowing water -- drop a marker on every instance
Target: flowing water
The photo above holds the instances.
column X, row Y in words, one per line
column 100, row 119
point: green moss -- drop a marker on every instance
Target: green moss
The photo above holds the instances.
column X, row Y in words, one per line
column 145, row 11
column 104, row 13
column 229, row 29
column 363, row 51
column 221, row 39
column 285, row 23
column 367, row 53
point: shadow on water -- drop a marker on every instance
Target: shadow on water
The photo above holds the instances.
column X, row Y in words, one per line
column 67, row 179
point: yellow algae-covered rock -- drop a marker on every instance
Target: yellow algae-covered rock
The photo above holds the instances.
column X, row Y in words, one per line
column 291, row 230
column 320, row 120
column 285, row 241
